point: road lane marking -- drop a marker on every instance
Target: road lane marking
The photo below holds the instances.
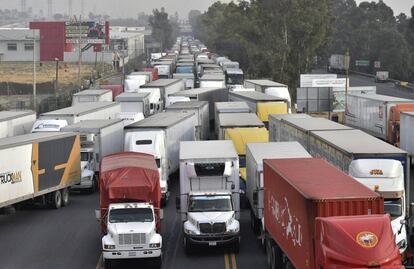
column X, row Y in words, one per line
column 99, row 264
column 226, row 261
column 233, row 261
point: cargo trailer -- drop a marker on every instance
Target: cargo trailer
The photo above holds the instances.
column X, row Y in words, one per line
column 188, row 79
column 393, row 132
column 236, row 120
column 213, row 81
column 275, row 124
column 116, row 89
column 407, row 132
column 14, row 123
column 40, row 166
column 166, row 87
column 200, row 108
column 370, row 112
column 316, row 217
column 229, row 107
column 88, row 96
column 135, row 102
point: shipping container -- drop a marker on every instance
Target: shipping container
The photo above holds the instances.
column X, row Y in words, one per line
column 371, row 112
column 200, row 108
column 236, row 120
column 14, row 123
column 89, row 96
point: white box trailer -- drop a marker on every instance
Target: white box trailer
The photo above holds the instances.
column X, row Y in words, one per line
column 14, row 123
column 370, row 112
column 99, row 138
column 236, row 120
column 275, row 124
column 160, row 135
column 255, row 154
column 88, row 96
column 407, row 131
column 200, row 108
column 229, row 107
column 299, row 129
column 213, row 80
column 84, row 111
column 40, row 165
column 166, row 86
column 188, row 79
column 211, row 95
column 138, row 102
column 209, row 200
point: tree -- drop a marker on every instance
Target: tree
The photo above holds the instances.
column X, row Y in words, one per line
column 162, row 29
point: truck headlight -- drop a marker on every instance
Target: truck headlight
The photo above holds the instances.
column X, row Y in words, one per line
column 190, row 232
column 109, row 246
column 155, row 245
column 234, row 229
column 402, row 244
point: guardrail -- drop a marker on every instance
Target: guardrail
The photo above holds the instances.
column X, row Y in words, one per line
column 398, row 82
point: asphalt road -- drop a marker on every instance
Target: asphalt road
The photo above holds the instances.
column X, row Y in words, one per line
column 69, row 238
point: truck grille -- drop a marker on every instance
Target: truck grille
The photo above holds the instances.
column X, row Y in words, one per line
column 215, row 228
column 132, row 239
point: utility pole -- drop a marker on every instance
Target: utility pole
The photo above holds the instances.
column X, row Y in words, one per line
column 34, row 71
column 347, row 62
column 80, row 51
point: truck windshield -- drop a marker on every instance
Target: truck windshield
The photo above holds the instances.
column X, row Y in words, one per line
column 84, row 156
column 120, row 215
column 393, row 207
column 208, row 203
column 158, row 161
column 235, row 79
column 184, row 70
column 242, row 160
column 209, row 169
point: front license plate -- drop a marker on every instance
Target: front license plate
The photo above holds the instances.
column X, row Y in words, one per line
column 132, row 254
column 212, row 244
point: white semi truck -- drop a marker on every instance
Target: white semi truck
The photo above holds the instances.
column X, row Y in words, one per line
column 166, row 87
column 159, row 135
column 209, row 200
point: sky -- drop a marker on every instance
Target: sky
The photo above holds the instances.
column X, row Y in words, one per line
column 130, row 8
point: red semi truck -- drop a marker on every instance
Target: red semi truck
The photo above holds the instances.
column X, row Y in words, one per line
column 318, row 217
column 130, row 207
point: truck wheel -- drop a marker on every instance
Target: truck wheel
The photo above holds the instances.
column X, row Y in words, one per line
column 93, row 187
column 254, row 223
column 65, row 196
column 56, row 201
column 108, row 264
column 188, row 247
column 277, row 257
column 269, row 251
column 158, row 262
column 236, row 246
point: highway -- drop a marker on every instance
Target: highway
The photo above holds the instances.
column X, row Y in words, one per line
column 69, row 238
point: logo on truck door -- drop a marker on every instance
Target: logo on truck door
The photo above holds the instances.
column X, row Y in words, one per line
column 11, row 177
column 367, row 239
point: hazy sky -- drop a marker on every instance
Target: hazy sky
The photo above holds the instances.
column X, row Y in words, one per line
column 130, row 8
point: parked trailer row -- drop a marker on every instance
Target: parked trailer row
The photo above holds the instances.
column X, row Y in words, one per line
column 14, row 123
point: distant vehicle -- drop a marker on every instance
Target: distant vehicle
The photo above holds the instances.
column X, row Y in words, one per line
column 14, row 123
column 382, row 76
column 130, row 213
column 337, row 64
column 234, row 78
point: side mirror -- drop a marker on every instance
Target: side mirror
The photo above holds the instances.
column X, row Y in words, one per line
column 255, row 198
column 403, row 221
column 178, row 203
column 411, row 209
column 161, row 214
column 98, row 214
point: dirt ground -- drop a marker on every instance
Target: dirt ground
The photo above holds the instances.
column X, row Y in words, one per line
column 45, row 72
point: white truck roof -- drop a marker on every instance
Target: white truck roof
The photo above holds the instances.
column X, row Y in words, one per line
column 237, row 71
column 161, row 120
column 14, row 141
column 200, row 150
column 188, row 105
column 80, row 109
column 10, row 115
column 255, row 96
column 265, row 83
column 231, row 107
column 161, row 83
column 90, row 126
column 93, row 92
column 195, row 92
column 212, row 76
column 227, row 120
column 315, row 124
column 132, row 96
column 289, row 116
column 380, row 97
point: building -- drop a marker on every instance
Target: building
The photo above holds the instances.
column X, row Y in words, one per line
column 16, row 45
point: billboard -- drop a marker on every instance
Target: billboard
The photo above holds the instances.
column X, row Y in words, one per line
column 86, row 32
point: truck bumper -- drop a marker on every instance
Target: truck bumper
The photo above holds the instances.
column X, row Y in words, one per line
column 131, row 254
column 87, row 184
column 213, row 240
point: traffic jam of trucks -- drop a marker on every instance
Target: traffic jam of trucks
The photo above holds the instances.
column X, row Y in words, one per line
column 320, row 194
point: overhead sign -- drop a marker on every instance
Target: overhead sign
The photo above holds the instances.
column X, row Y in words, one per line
column 89, row 32
column 377, row 64
column 329, row 83
column 306, row 79
column 362, row 63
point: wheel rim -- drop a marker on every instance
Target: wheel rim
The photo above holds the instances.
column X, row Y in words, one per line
column 58, row 199
column 65, row 196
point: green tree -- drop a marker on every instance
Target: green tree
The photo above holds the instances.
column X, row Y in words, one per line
column 162, row 29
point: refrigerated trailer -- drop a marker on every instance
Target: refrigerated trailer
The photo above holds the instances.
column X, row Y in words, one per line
column 166, row 87
column 317, row 217
column 371, row 112
column 407, row 132
column 87, row 96
column 236, row 120
column 271, row 88
column 137, row 102
column 14, row 123
column 200, row 108
column 40, row 166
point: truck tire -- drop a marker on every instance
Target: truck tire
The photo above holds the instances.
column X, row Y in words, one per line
column 254, row 223
column 93, row 187
column 56, row 200
column 277, row 257
column 107, row 264
column 236, row 246
column 65, row 196
column 188, row 247
column 158, row 262
column 269, row 251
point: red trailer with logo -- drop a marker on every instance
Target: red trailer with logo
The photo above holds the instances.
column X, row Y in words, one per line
column 318, row 217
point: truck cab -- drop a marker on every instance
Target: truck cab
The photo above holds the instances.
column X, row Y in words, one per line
column 151, row 142
column 385, row 177
column 88, row 180
column 131, row 233
column 234, row 78
column 154, row 99
column 48, row 126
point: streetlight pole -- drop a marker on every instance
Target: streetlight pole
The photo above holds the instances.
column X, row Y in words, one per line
column 347, row 62
column 57, row 76
column 34, row 71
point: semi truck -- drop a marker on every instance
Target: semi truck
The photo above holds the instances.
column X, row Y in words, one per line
column 99, row 138
column 211, row 95
column 382, row 76
column 88, row 96
column 130, row 211
column 160, row 135
column 380, row 166
column 255, row 154
column 407, row 131
column 229, row 107
column 189, row 81
column 338, row 64
column 260, row 103
column 212, row 81
column 209, row 200
column 371, row 112
column 236, row 120
column 40, row 167
column 271, row 88
column 275, row 124
column 166, row 87
column 135, row 102
column 316, row 217
column 234, row 78
column 200, row 108
column 14, row 123
column 393, row 132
